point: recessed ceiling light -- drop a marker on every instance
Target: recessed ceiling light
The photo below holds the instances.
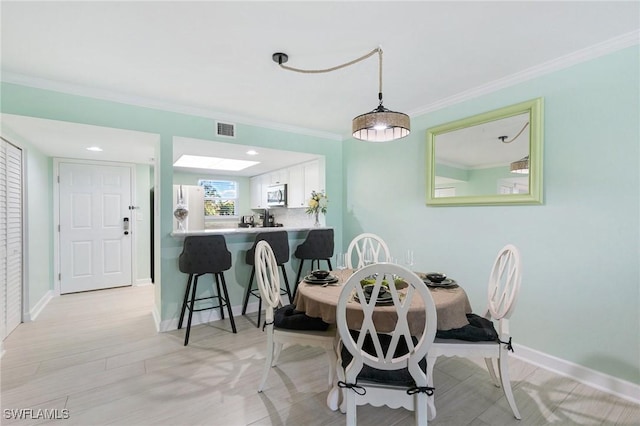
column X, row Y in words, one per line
column 252, row 152
column 213, row 163
column 94, row 148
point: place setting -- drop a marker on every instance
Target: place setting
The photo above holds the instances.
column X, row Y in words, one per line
column 384, row 295
column 437, row 280
column 321, row 277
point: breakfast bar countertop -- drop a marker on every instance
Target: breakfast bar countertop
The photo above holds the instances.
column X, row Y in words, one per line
column 241, row 231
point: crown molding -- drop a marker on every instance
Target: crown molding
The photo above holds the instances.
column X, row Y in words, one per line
column 583, row 55
column 586, row 54
column 109, row 95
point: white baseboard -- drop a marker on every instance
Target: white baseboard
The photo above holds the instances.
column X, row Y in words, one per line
column 601, row 381
column 201, row 317
column 37, row 309
column 595, row 379
column 156, row 318
column 142, row 281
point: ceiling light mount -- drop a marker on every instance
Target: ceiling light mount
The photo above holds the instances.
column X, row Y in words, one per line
column 379, row 125
column 280, row 58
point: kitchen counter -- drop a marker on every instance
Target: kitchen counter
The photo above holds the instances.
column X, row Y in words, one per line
column 244, row 231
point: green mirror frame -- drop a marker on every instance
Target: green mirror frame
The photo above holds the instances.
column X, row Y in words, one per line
column 534, row 196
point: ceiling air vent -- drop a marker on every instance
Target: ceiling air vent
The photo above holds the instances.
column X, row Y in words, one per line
column 225, row 129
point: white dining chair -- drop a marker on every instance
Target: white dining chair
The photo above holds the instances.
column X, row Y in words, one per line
column 367, row 244
column 385, row 369
column 504, row 285
column 269, row 284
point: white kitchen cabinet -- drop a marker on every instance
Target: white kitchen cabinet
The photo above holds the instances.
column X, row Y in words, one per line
column 279, row 177
column 303, row 178
column 295, row 189
column 312, row 178
column 259, row 186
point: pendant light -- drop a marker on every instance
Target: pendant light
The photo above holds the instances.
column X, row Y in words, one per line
column 520, row 166
column 379, row 125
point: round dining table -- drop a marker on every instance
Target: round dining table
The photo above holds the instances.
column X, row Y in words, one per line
column 318, row 301
column 321, row 301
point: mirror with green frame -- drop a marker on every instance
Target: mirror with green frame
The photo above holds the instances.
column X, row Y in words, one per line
column 492, row 158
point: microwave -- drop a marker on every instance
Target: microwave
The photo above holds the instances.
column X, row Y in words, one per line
column 277, row 195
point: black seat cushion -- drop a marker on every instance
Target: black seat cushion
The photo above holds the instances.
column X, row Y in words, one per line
column 400, row 377
column 287, row 317
column 479, row 329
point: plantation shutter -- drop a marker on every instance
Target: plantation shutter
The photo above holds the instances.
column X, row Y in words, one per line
column 10, row 236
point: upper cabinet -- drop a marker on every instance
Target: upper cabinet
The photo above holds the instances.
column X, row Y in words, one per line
column 279, row 177
column 301, row 179
column 259, row 186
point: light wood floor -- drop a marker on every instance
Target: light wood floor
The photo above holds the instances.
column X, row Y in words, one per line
column 98, row 356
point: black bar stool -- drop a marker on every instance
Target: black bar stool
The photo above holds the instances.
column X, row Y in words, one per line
column 316, row 247
column 205, row 255
column 279, row 242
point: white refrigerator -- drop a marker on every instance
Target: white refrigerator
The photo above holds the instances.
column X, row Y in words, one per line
column 193, row 199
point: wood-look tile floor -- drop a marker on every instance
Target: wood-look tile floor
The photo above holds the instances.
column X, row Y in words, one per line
column 97, row 356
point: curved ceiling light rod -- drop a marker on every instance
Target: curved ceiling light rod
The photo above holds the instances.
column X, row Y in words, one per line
column 503, row 138
column 379, row 125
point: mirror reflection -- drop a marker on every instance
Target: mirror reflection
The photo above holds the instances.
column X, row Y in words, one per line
column 491, row 158
column 482, row 159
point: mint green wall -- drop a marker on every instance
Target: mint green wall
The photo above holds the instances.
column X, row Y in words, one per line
column 587, row 229
column 41, row 103
column 580, row 291
column 38, row 202
column 485, row 181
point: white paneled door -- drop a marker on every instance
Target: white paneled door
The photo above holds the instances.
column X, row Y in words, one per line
column 95, row 236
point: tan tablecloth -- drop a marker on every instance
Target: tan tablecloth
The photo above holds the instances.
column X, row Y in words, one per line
column 452, row 305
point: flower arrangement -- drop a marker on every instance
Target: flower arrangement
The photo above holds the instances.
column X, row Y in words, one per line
column 317, row 203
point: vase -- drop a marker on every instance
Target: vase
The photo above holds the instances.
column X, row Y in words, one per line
column 180, row 213
column 317, row 222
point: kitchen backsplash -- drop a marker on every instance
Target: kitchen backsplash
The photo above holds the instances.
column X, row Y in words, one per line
column 287, row 217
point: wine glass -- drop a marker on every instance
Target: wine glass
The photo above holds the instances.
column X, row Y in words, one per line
column 368, row 257
column 408, row 258
column 341, row 261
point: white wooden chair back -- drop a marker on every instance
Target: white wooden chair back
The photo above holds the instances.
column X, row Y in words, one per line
column 363, row 242
column 268, row 278
column 389, row 395
column 269, row 284
column 504, row 283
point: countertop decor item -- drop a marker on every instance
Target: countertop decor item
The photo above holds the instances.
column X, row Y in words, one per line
column 181, row 212
column 317, row 204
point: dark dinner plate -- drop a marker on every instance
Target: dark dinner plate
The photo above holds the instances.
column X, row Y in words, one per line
column 381, row 301
column 310, row 279
column 446, row 283
column 384, row 297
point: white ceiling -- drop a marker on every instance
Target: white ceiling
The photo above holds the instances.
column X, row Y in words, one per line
column 214, row 58
column 479, row 146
